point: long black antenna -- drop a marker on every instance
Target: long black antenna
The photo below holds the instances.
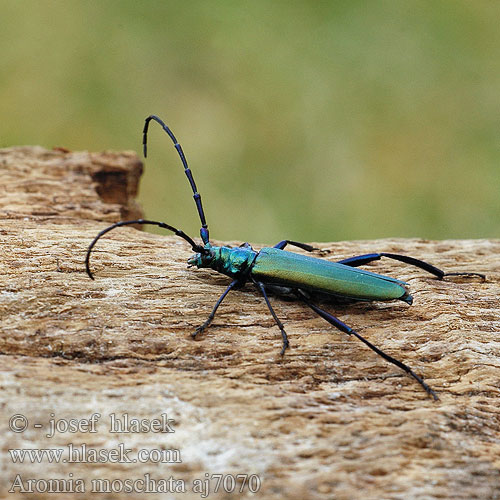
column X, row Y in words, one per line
column 187, row 171
column 178, row 232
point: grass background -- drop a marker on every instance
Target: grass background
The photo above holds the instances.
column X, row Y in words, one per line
column 309, row 120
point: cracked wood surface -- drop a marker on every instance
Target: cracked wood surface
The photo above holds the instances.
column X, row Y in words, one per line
column 328, row 420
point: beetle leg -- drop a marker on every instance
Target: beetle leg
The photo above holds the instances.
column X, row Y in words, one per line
column 359, row 260
column 214, row 310
column 347, row 329
column 284, row 336
column 282, row 244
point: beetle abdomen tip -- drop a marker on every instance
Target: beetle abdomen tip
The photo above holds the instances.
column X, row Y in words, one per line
column 407, row 298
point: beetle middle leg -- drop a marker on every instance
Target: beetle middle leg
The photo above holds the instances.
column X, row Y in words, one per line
column 284, row 336
column 347, row 329
column 282, row 244
column 360, row 260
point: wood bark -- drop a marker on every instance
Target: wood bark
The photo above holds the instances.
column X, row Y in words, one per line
column 330, row 419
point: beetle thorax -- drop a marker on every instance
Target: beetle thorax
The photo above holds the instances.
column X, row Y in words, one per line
column 234, row 262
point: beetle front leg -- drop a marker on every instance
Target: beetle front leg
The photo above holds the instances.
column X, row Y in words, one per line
column 360, row 260
column 284, row 336
column 214, row 310
column 347, row 329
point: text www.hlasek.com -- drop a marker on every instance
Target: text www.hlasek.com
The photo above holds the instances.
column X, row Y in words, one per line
column 84, row 454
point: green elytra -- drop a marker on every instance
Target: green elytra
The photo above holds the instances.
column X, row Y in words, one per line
column 301, row 275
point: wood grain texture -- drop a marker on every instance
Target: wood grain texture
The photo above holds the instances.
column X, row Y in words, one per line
column 328, row 420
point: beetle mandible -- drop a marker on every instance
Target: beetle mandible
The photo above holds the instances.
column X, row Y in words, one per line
column 300, row 275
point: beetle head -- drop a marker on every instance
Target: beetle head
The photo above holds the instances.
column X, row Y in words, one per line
column 204, row 258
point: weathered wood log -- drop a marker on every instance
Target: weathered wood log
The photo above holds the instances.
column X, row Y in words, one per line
column 330, row 419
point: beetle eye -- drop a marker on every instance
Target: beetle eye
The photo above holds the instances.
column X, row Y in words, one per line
column 207, row 258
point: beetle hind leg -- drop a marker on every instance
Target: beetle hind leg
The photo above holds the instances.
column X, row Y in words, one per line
column 347, row 329
column 360, row 260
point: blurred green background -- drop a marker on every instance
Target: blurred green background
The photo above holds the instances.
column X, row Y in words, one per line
column 313, row 120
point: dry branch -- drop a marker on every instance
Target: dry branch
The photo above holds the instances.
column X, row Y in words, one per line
column 328, row 420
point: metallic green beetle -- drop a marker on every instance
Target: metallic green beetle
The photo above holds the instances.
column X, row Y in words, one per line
column 279, row 270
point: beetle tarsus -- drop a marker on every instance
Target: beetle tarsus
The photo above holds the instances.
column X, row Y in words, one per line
column 200, row 329
column 286, row 345
column 466, row 274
